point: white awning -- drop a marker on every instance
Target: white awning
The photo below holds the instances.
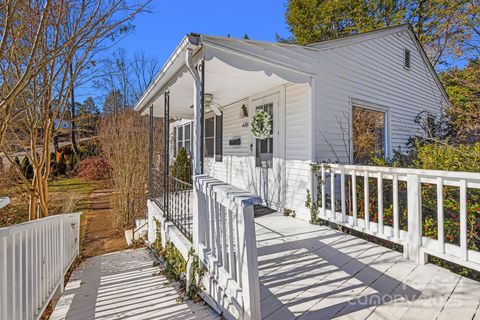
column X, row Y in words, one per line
column 234, row 69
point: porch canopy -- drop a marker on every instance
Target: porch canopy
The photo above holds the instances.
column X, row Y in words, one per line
column 233, row 70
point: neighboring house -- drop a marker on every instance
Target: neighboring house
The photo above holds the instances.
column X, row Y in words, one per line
column 62, row 126
column 323, row 98
column 4, row 201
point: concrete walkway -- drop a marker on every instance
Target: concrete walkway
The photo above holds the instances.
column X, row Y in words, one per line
column 124, row 285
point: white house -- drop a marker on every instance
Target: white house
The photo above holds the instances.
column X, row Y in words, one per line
column 320, row 96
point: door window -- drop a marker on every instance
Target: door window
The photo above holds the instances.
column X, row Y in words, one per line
column 264, row 147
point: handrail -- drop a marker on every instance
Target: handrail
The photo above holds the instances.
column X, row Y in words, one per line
column 34, row 257
column 337, row 192
column 224, row 234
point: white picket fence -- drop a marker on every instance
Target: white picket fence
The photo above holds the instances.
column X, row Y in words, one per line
column 330, row 182
column 34, row 257
column 224, row 233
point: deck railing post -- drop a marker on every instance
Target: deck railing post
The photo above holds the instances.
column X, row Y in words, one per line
column 249, row 277
column 414, row 200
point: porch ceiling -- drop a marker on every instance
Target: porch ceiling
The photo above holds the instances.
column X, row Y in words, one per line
column 226, row 83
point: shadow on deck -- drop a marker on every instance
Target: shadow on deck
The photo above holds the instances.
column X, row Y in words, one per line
column 124, row 285
column 314, row 272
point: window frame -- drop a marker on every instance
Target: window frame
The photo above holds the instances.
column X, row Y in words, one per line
column 387, row 123
column 210, row 137
column 176, row 141
column 216, row 157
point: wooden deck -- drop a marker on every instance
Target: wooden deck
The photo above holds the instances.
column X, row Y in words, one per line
column 314, row 272
column 124, row 285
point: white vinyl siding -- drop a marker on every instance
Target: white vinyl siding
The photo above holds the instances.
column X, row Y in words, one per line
column 297, row 167
column 235, row 167
column 372, row 71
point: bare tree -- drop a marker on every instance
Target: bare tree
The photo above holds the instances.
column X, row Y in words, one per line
column 124, row 80
column 74, row 32
column 125, row 146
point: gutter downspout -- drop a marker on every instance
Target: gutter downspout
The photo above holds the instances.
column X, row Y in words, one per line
column 197, row 113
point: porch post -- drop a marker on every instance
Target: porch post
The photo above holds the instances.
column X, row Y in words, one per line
column 197, row 127
column 202, row 115
column 198, row 205
column 166, row 146
column 150, row 155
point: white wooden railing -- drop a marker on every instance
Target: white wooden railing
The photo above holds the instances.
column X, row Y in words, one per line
column 34, row 257
column 336, row 186
column 224, row 234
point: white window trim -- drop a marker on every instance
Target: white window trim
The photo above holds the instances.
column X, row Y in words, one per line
column 375, row 107
column 182, row 125
column 210, row 116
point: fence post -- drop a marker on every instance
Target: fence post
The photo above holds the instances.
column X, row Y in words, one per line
column 414, row 199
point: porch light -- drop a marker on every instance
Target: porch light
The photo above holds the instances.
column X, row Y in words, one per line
column 243, row 112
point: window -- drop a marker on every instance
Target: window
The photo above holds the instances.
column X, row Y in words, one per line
column 182, row 136
column 369, row 134
column 264, row 147
column 209, row 137
column 218, row 138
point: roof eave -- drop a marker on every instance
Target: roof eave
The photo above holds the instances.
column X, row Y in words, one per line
column 188, row 41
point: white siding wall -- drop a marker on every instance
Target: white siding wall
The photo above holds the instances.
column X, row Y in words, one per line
column 297, row 167
column 237, row 166
column 372, row 71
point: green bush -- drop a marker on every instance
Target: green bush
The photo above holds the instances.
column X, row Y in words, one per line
column 182, row 167
column 443, row 156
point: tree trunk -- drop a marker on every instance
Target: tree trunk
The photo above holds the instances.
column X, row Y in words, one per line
column 72, row 114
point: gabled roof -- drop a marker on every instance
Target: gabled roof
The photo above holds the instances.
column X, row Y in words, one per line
column 292, row 58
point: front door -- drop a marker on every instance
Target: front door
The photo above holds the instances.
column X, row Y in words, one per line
column 266, row 151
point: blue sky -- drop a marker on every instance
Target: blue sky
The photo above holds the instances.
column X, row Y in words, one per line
column 158, row 33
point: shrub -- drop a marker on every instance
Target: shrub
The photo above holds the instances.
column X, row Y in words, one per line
column 93, row 168
column 182, row 167
column 26, row 168
column 88, row 149
column 61, row 165
column 439, row 156
column 53, row 164
column 72, row 162
column 289, row 212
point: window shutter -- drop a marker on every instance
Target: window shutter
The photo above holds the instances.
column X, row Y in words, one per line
column 218, row 138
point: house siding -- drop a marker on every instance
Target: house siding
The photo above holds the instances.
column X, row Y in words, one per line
column 238, row 166
column 297, row 168
column 372, row 71
column 235, row 167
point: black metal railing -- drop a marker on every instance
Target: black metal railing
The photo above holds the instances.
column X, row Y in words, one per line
column 179, row 209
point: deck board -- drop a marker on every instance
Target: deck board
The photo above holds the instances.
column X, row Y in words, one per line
column 321, row 273
column 124, row 285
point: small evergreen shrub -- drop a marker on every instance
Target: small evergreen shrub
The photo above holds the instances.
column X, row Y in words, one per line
column 182, row 167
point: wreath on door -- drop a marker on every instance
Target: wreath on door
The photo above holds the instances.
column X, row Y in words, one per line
column 261, row 124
